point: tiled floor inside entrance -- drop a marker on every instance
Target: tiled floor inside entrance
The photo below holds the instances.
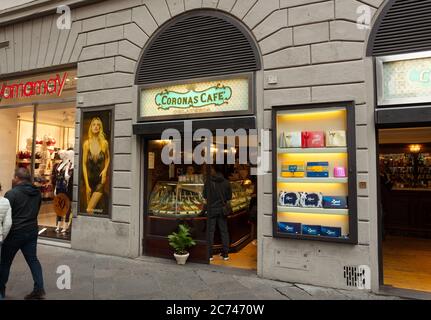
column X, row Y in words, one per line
column 407, row 263
column 244, row 259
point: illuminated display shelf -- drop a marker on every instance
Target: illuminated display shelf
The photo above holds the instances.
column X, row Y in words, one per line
column 341, row 212
column 334, row 157
column 312, row 180
column 311, row 150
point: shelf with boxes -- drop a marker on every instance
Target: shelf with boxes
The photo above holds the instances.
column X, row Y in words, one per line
column 315, row 172
column 312, row 180
column 342, row 212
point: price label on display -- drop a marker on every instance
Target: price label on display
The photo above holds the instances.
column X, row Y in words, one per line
column 61, row 205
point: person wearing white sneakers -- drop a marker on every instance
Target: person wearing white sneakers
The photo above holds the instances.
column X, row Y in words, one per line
column 5, row 223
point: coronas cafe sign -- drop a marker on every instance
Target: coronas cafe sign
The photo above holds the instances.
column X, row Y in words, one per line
column 196, row 99
column 216, row 96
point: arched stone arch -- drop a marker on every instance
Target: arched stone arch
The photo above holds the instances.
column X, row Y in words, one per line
column 215, row 43
column 400, row 27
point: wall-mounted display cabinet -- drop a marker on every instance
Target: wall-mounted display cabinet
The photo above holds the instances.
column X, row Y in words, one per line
column 314, row 172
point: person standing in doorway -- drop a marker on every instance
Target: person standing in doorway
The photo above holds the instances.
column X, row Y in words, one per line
column 25, row 200
column 217, row 192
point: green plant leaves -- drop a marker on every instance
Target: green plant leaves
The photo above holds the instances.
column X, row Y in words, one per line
column 180, row 241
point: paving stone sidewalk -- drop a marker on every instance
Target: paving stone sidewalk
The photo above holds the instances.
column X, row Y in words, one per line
column 96, row 277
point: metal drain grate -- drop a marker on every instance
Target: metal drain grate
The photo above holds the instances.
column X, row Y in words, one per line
column 358, row 277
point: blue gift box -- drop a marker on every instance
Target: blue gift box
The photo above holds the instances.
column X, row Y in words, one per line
column 330, row 232
column 311, row 230
column 331, row 202
column 317, row 169
column 289, row 227
column 311, row 200
column 291, row 199
column 318, row 174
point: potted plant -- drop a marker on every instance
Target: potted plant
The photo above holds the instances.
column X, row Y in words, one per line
column 180, row 241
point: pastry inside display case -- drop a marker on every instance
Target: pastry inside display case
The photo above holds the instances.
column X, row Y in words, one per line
column 242, row 192
column 185, row 199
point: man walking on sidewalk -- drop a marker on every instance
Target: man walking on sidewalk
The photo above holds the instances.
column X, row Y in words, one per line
column 25, row 200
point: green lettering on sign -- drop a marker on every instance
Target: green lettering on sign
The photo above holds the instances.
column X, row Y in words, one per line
column 217, row 96
column 421, row 77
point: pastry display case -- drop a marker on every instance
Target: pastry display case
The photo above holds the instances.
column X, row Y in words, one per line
column 185, row 199
column 177, row 202
column 176, row 199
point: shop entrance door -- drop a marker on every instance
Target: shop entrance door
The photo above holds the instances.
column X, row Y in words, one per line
column 174, row 196
column 405, row 205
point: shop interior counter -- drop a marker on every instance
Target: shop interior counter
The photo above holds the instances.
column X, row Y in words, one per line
column 406, row 212
column 174, row 203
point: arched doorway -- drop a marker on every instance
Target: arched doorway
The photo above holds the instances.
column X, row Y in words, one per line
column 400, row 44
column 197, row 74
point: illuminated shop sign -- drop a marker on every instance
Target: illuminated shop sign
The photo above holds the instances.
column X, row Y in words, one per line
column 50, row 86
column 206, row 98
column 404, row 79
column 215, row 96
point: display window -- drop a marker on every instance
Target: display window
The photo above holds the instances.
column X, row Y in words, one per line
column 41, row 136
column 315, row 176
column 54, row 167
column 175, row 195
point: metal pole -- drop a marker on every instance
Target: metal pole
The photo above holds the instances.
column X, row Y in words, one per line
column 33, row 145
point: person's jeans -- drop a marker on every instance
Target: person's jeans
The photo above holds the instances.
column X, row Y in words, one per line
column 27, row 243
column 221, row 221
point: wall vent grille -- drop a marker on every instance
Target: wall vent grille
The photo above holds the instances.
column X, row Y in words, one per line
column 403, row 26
column 357, row 277
column 198, row 45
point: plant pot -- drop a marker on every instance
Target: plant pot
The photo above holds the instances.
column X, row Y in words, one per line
column 181, row 258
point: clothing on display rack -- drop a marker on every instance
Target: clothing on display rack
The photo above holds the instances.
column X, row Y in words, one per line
column 62, row 179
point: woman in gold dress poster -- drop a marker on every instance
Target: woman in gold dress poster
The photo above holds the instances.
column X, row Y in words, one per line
column 95, row 183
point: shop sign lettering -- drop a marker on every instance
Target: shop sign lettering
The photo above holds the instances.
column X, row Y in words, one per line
column 404, row 79
column 214, row 96
column 421, row 76
column 195, row 99
column 52, row 86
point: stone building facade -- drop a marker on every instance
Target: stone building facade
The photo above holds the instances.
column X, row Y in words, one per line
column 312, row 51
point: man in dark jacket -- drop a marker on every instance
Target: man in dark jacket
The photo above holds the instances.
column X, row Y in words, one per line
column 25, row 200
column 217, row 191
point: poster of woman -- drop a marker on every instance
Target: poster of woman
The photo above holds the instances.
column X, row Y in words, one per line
column 95, row 182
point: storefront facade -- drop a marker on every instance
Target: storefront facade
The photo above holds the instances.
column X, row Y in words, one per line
column 38, row 126
column 311, row 54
